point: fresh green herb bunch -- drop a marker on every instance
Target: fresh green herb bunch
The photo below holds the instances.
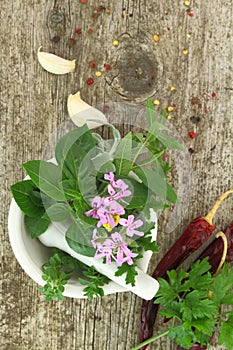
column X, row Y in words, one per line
column 89, row 170
column 193, row 302
column 61, row 267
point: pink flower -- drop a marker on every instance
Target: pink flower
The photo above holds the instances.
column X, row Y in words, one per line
column 124, row 254
column 106, row 213
column 119, row 184
column 113, row 248
column 96, row 204
column 131, row 226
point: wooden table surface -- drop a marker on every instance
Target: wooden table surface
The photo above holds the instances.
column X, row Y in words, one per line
column 193, row 54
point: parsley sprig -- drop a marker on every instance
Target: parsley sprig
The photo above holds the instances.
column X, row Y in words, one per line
column 193, row 301
column 60, row 268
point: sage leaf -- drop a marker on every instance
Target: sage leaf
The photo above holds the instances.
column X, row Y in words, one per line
column 58, row 212
column 150, row 111
column 22, row 192
column 78, row 237
column 47, row 177
column 122, row 156
column 153, row 179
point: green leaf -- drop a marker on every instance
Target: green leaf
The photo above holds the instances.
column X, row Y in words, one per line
column 169, row 142
column 72, row 148
column 129, row 270
column 47, row 177
column 122, row 156
column 140, row 194
column 226, row 333
column 228, row 298
column 154, row 179
column 171, row 195
column 58, row 212
column 150, row 111
column 184, row 338
column 36, row 225
column 79, row 236
column 22, row 192
column 148, row 244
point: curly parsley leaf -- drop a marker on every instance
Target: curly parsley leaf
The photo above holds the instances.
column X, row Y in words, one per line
column 93, row 281
column 226, row 335
column 129, row 270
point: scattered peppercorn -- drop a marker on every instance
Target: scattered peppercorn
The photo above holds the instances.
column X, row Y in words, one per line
column 173, row 88
column 195, row 120
column 192, row 135
column 191, row 150
column 191, row 14
column 83, row 1
column 78, row 31
column 106, row 109
column 56, row 39
column 90, row 81
column 156, row 102
column 107, row 66
column 170, row 109
column 115, row 42
column 90, row 31
column 187, row 3
column 156, row 38
column 71, row 42
column 206, row 111
column 185, row 51
column 98, row 73
column 214, row 95
column 92, row 64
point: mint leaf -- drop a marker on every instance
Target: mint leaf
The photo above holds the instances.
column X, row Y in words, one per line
column 72, row 148
column 47, row 177
column 226, row 333
column 129, row 270
column 36, row 225
column 23, row 194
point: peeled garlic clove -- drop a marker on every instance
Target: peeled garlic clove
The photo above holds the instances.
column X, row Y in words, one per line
column 82, row 113
column 55, row 64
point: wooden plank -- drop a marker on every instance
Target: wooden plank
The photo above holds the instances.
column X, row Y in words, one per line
column 33, row 106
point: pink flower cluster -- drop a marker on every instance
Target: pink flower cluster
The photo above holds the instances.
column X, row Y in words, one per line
column 108, row 210
column 114, row 248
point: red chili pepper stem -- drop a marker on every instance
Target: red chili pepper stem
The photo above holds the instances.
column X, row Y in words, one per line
column 224, row 253
column 210, row 215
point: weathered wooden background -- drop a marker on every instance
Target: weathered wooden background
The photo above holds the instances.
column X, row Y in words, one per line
column 33, row 105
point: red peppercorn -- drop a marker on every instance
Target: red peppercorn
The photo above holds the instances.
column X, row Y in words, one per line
column 83, row 1
column 78, row 31
column 90, row 81
column 192, row 135
column 107, row 66
column 206, row 111
column 213, row 95
column 191, row 14
column 92, row 64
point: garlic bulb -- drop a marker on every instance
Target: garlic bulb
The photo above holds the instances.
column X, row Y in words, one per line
column 82, row 113
column 55, row 64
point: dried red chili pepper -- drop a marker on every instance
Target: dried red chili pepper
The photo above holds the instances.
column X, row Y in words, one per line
column 196, row 233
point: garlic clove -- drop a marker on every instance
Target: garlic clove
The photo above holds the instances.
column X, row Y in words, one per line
column 55, row 64
column 82, row 113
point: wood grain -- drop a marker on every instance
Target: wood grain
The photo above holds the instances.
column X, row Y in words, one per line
column 33, row 105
